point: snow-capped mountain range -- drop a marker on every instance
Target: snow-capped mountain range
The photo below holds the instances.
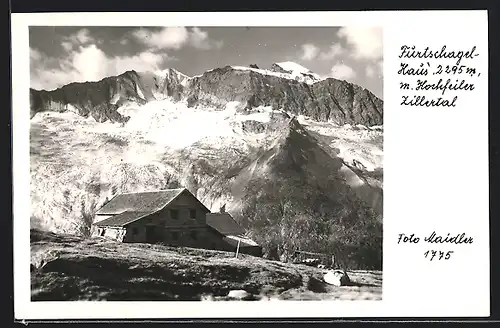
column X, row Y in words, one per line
column 280, row 147
column 287, row 86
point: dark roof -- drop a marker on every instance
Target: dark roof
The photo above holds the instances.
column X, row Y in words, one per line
column 122, row 219
column 224, row 223
column 150, row 201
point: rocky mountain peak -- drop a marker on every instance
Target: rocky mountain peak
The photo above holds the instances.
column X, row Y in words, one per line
column 287, row 86
column 278, row 69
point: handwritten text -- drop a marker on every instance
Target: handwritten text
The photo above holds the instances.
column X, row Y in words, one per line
column 431, row 80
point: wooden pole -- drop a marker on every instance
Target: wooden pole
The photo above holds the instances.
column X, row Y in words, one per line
column 238, row 248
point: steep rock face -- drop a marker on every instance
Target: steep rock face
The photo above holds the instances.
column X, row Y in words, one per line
column 345, row 102
column 278, row 69
column 99, row 100
column 329, row 99
column 296, row 157
column 161, row 84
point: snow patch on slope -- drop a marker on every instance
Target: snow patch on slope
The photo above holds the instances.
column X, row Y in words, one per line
column 291, row 66
column 260, row 114
column 359, row 146
column 169, row 70
column 299, row 72
column 139, row 92
column 301, row 75
column 175, row 125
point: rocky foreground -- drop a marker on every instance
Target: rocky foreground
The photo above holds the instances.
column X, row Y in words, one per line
column 70, row 268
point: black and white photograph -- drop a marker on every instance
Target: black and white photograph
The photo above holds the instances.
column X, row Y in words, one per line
column 206, row 163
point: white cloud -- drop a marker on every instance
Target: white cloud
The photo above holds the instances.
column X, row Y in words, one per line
column 82, row 37
column 35, row 54
column 166, row 38
column 342, row 72
column 366, row 42
column 199, row 39
column 334, row 51
column 67, row 45
column 309, row 51
column 86, row 63
column 176, row 38
column 218, row 44
column 90, row 63
column 370, row 71
column 374, row 69
column 144, row 61
column 124, row 42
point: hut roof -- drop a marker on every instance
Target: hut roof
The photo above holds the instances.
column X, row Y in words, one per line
column 224, row 223
column 122, row 219
column 149, row 201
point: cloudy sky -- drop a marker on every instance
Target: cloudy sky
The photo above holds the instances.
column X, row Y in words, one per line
column 60, row 55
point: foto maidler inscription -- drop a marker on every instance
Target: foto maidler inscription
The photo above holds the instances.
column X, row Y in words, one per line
column 447, row 72
column 435, row 239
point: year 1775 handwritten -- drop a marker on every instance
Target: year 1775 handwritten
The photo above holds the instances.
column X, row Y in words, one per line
column 433, row 238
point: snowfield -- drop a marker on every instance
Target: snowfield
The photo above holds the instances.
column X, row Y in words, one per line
column 76, row 160
column 297, row 72
column 358, row 144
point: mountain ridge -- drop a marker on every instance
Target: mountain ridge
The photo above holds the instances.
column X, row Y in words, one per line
column 310, row 95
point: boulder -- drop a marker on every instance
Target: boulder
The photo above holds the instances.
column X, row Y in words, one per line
column 337, row 278
column 239, row 294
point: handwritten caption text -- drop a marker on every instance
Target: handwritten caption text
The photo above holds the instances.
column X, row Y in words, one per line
column 433, row 238
column 445, row 71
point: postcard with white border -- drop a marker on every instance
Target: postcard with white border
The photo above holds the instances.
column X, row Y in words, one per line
column 250, row 164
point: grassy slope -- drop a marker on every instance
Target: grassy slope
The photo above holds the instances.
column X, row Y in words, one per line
column 67, row 267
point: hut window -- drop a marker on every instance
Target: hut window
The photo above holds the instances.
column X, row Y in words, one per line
column 175, row 235
column 192, row 214
column 135, row 231
column 102, row 232
column 174, row 214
